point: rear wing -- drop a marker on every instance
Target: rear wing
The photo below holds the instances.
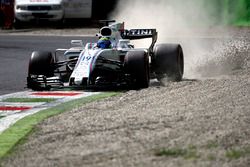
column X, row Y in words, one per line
column 139, row 33
column 134, row 34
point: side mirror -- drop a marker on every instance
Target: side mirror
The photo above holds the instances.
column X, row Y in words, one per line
column 77, row 42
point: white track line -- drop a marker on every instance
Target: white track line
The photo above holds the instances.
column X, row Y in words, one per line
column 10, row 117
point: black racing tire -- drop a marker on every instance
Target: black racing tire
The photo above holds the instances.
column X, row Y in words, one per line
column 168, row 61
column 18, row 24
column 1, row 19
column 41, row 63
column 137, row 65
column 60, row 24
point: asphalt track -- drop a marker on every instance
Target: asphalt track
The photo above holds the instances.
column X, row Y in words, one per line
column 15, row 51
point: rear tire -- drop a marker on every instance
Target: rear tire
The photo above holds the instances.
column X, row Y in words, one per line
column 168, row 61
column 137, row 65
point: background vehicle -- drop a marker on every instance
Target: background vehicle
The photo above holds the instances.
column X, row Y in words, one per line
column 52, row 10
column 89, row 66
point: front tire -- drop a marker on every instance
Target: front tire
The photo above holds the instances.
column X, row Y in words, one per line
column 41, row 63
column 168, row 61
column 137, row 65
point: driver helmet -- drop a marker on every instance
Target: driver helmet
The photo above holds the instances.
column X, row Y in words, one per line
column 104, row 43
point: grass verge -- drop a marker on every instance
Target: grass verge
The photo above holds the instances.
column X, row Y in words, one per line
column 29, row 100
column 17, row 132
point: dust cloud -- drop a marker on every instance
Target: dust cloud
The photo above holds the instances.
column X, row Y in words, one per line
column 170, row 17
column 189, row 23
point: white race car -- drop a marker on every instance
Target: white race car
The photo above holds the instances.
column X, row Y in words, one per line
column 120, row 64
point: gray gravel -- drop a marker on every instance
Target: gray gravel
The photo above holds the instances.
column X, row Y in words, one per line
column 202, row 121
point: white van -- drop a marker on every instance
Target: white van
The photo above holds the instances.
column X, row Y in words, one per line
column 52, row 10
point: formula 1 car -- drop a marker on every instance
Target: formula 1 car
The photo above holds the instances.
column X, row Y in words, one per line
column 88, row 66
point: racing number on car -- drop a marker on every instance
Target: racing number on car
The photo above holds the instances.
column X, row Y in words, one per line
column 86, row 59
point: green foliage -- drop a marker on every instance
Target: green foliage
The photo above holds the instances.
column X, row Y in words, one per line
column 228, row 12
column 236, row 12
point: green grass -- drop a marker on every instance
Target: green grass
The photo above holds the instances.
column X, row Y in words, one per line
column 187, row 153
column 22, row 128
column 212, row 144
column 237, row 153
column 1, row 116
column 192, row 153
column 211, row 157
column 234, row 154
column 173, row 152
column 29, row 100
